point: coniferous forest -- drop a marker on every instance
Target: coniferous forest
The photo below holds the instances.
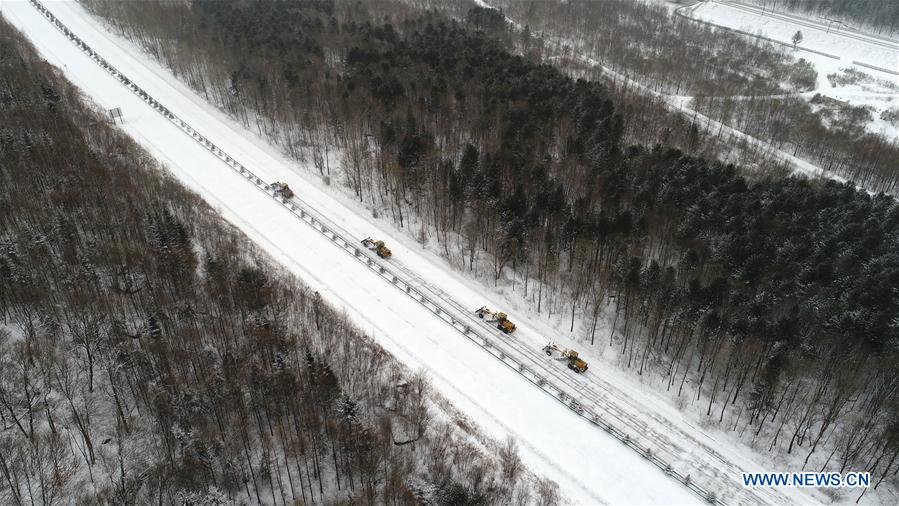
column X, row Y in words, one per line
column 149, row 354
column 771, row 301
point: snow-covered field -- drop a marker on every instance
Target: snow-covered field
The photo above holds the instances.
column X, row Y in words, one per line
column 590, row 466
column 846, row 49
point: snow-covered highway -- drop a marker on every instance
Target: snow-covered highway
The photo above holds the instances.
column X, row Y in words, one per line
column 589, row 465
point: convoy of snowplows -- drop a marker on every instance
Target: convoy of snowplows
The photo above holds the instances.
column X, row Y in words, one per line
column 501, row 319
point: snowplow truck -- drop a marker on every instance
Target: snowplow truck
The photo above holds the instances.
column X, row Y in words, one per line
column 377, row 246
column 574, row 362
column 282, row 189
column 501, row 319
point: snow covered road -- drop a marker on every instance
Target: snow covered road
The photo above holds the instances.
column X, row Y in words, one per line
column 590, row 466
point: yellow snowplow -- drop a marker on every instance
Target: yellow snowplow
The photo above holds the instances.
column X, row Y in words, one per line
column 575, row 363
column 377, row 246
column 282, row 188
column 501, row 319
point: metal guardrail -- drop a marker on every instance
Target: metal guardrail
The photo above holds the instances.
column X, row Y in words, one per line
column 448, row 311
column 875, row 67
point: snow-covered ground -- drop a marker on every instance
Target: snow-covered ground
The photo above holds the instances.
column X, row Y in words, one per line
column 590, row 466
column 828, row 38
column 843, row 48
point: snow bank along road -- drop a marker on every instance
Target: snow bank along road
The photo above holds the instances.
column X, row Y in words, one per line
column 563, row 444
